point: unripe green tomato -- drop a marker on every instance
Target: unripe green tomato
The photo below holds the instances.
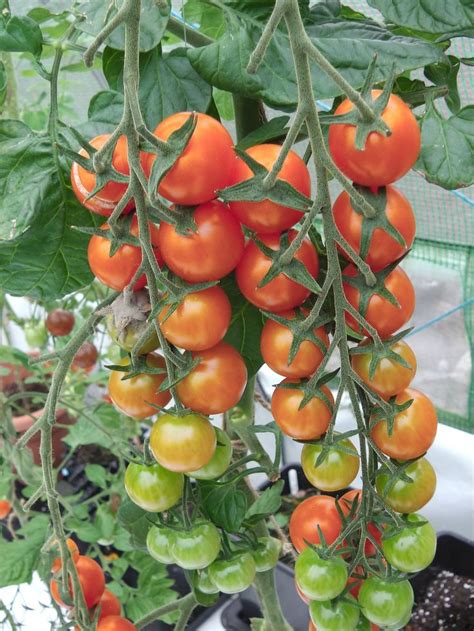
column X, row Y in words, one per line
column 402, row 623
column 129, row 336
column 320, row 579
column 158, row 542
column 205, row 584
column 411, row 549
column 335, row 616
column 385, row 603
column 153, row 488
column 35, row 334
column 233, row 575
column 219, row 462
column 267, row 554
column 337, row 470
column 409, row 497
column 196, row 548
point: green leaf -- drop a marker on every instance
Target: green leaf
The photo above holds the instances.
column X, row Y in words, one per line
column 209, row 18
column 225, row 505
column 20, row 34
column 105, row 112
column 435, row 16
column 105, row 523
column 21, row 556
column 152, row 27
column 447, row 147
column 267, row 504
column 4, row 83
column 274, row 129
column 245, row 327
column 445, row 73
column 224, row 104
column 97, row 474
column 168, row 83
column 102, row 426
column 84, row 529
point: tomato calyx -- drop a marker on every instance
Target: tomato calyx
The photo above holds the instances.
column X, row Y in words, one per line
column 119, row 235
column 381, row 349
column 312, row 388
column 388, row 413
column 177, row 290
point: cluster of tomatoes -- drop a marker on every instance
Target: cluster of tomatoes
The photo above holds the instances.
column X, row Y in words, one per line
column 103, row 605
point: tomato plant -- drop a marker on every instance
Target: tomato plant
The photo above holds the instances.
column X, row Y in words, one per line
column 196, row 548
column 108, row 605
column 344, row 615
column 413, row 548
column 233, row 575
column 338, row 469
column 220, row 460
column 409, row 497
column 314, row 513
column 153, row 488
column 267, row 553
column 60, row 322
column 307, row 423
column 115, row 623
column 91, row 579
column 385, row 603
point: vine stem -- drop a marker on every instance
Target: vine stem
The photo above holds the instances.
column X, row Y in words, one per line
column 182, row 604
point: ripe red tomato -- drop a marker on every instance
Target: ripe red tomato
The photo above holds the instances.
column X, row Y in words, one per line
column 91, row 579
column 310, row 422
column 275, row 345
column 5, row 508
column 85, row 357
column 384, row 159
column 208, row 254
column 217, row 383
column 200, row 321
column 383, row 248
column 385, row 317
column 134, row 396
column 205, row 164
column 266, row 216
column 390, row 377
column 281, row 293
column 72, row 545
column 345, row 504
column 115, row 623
column 60, row 322
column 318, row 510
column 414, row 429
column 117, row 271
column 109, row 605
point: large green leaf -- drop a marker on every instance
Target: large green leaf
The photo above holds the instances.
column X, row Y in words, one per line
column 168, row 83
column 105, row 112
column 20, row 34
column 20, row 557
column 224, row 504
column 447, row 148
column 433, row 16
column 152, row 26
column 348, row 45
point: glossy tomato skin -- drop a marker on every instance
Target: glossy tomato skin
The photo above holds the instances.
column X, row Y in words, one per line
column 345, row 503
column 413, row 431
column 205, row 165
column 281, row 293
column 91, row 579
column 411, row 549
column 217, row 383
column 205, row 584
column 390, row 377
column 267, row 554
column 409, row 497
column 86, row 356
column 200, row 321
column 383, row 248
column 196, row 548
column 319, row 510
column 5, row 508
column 158, row 543
column 182, row 443
column 133, row 396
column 337, row 470
column 383, row 160
column 310, row 422
column 60, row 322
column 219, row 462
column 320, row 579
column 208, row 254
column 115, row 623
column 233, row 575
column 385, row 603
column 267, row 217
column 275, row 345
column 328, row 616
column 153, row 488
column 381, row 314
column 72, row 545
column 109, row 605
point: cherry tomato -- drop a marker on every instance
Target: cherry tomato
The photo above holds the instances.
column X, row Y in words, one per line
column 128, row 337
column 267, row 554
column 115, row 623
column 196, row 548
column 319, row 510
column 275, row 345
column 310, row 422
column 60, row 322
column 158, row 543
column 183, row 443
column 266, row 216
column 385, row 603
column 413, row 431
column 337, row 470
column 91, row 579
column 153, row 488
column 320, row 579
column 220, row 461
column 281, row 293
column 217, row 383
column 383, row 159
column 390, row 377
column 409, row 497
column 211, row 252
column 233, row 575
column 411, row 549
column 328, row 616
column 72, row 545
column 345, row 504
column 383, row 248
column 205, row 165
column 117, row 271
column 133, row 396
column 5, row 508
column 86, row 356
column 200, row 322
column 109, row 605
column 385, row 317
column 35, row 334
column 205, row 584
